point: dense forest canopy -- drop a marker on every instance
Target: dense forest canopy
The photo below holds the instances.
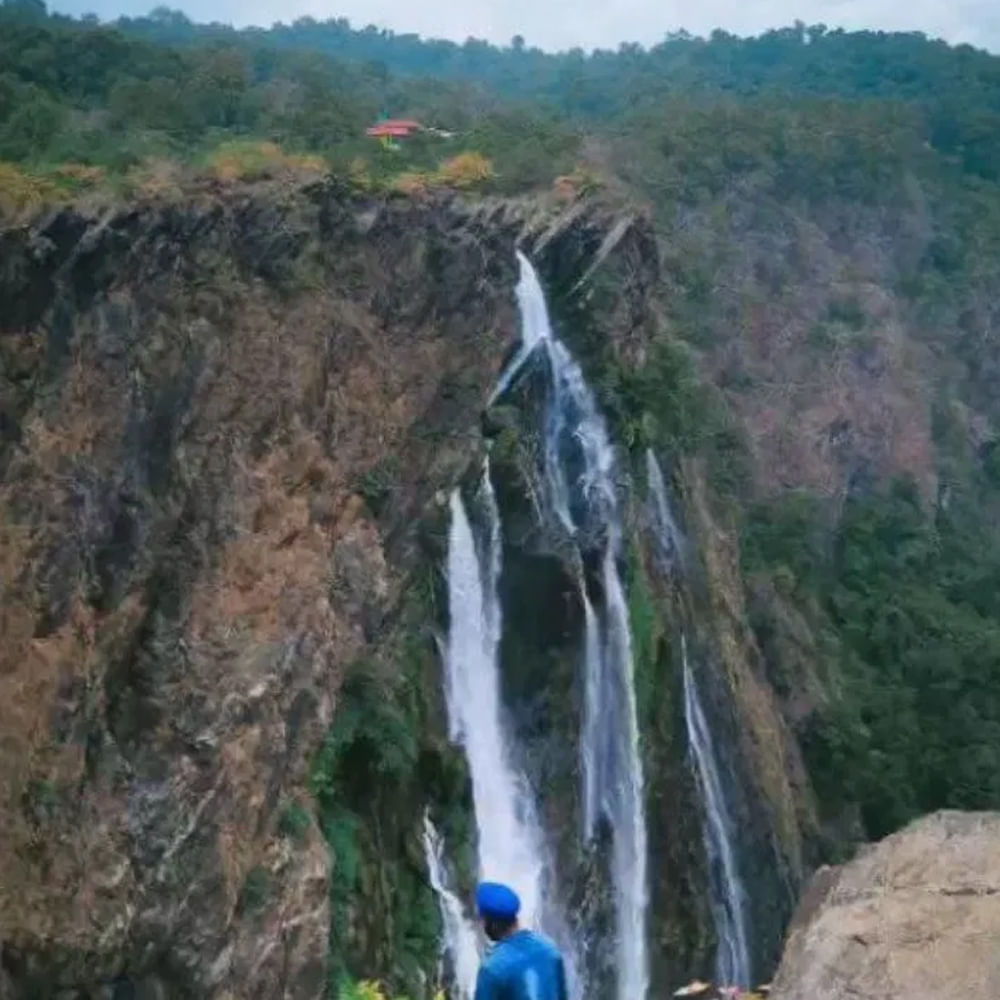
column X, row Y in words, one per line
column 731, row 142
column 80, row 90
column 803, row 59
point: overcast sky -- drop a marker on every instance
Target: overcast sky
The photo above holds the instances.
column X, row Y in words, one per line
column 561, row 24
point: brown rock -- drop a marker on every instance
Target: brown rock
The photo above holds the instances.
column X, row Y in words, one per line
column 192, row 398
column 915, row 917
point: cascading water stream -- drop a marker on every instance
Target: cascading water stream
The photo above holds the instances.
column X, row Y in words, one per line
column 670, row 542
column 511, row 845
column 460, row 938
column 622, row 800
column 727, row 895
column 579, row 469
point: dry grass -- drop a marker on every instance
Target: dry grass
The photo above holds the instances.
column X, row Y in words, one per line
column 241, row 161
column 412, row 183
column 81, row 175
column 465, row 171
column 22, row 194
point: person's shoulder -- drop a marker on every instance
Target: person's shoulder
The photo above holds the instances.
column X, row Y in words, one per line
column 538, row 944
column 543, row 942
column 512, row 953
column 499, row 960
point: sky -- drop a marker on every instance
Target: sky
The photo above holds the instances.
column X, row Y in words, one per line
column 562, row 24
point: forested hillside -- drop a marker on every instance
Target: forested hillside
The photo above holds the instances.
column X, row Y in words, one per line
column 162, row 86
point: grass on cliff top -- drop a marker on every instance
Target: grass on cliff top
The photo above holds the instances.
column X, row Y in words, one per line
column 25, row 191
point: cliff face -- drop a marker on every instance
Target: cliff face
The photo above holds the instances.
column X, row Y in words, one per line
column 228, row 429
column 221, row 423
column 228, row 432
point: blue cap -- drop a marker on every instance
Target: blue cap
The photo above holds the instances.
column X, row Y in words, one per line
column 497, row 901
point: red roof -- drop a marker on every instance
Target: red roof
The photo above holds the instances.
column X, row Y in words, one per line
column 387, row 130
column 393, row 127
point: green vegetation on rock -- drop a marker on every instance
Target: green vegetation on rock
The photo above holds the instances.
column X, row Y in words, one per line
column 384, row 761
column 294, row 821
column 256, row 890
column 368, row 989
column 906, row 598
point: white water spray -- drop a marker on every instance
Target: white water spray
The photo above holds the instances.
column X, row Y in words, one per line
column 728, row 897
column 580, row 487
column 459, row 933
column 510, row 842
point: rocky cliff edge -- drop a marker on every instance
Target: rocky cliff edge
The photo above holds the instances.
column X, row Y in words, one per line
column 914, row 917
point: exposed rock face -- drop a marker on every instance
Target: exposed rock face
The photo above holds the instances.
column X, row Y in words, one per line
column 219, row 424
column 915, row 917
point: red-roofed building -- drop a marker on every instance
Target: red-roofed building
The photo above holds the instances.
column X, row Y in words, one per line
column 394, row 128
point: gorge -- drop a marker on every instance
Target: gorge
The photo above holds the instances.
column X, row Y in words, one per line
column 359, row 542
column 136, row 442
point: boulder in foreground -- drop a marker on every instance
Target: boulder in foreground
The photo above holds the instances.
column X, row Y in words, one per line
column 916, row 916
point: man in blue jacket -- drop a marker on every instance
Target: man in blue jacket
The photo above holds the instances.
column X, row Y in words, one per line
column 522, row 965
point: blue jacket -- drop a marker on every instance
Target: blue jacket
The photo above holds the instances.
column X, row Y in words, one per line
column 524, row 966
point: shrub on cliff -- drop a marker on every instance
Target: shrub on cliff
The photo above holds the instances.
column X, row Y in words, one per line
column 20, row 192
column 241, row 160
column 368, row 989
column 467, row 170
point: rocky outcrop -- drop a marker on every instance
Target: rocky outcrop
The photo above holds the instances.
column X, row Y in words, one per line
column 220, row 424
column 915, row 917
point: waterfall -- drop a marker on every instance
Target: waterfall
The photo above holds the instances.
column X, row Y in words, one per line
column 593, row 681
column 669, row 540
column 728, row 897
column 623, row 791
column 726, row 892
column 579, row 473
column 460, row 939
column 510, row 843
column 535, row 327
column 579, row 486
